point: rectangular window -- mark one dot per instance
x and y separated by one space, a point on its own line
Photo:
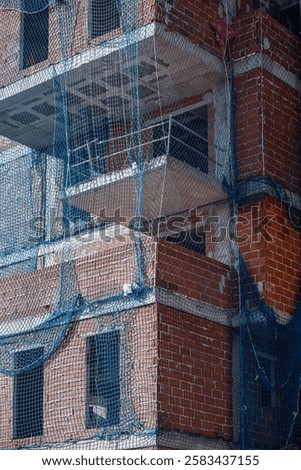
293 16
28 395
104 17
103 380
34 33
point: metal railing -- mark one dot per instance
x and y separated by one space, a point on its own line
170 138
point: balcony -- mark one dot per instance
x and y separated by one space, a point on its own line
160 170
167 64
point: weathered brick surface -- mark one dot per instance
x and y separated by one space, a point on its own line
98 275
252 240
65 380
270 245
105 272
268 129
281 108
283 259
194 275
257 31
191 19
194 384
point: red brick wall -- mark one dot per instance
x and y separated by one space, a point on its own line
281 108
268 109
194 275
283 259
191 19
244 6
194 384
268 129
272 252
249 124
10 21
248 34
189 389
188 17
257 31
252 239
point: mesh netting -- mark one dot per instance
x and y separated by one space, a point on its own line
135 311
271 364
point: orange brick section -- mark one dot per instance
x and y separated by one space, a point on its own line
283 259
249 124
268 129
282 128
257 31
194 383
104 273
188 17
99 275
11 45
194 275
191 19
252 240
273 255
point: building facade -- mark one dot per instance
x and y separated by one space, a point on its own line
150 237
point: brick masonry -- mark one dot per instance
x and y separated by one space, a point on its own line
65 380
257 31
268 129
194 383
179 377
194 275
270 245
180 374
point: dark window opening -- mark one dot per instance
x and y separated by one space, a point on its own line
103 380
293 19
188 139
192 240
34 34
104 17
28 395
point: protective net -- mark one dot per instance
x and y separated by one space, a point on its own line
149 244
271 365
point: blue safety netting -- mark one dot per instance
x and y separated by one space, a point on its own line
103 142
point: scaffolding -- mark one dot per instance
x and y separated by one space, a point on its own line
120 143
